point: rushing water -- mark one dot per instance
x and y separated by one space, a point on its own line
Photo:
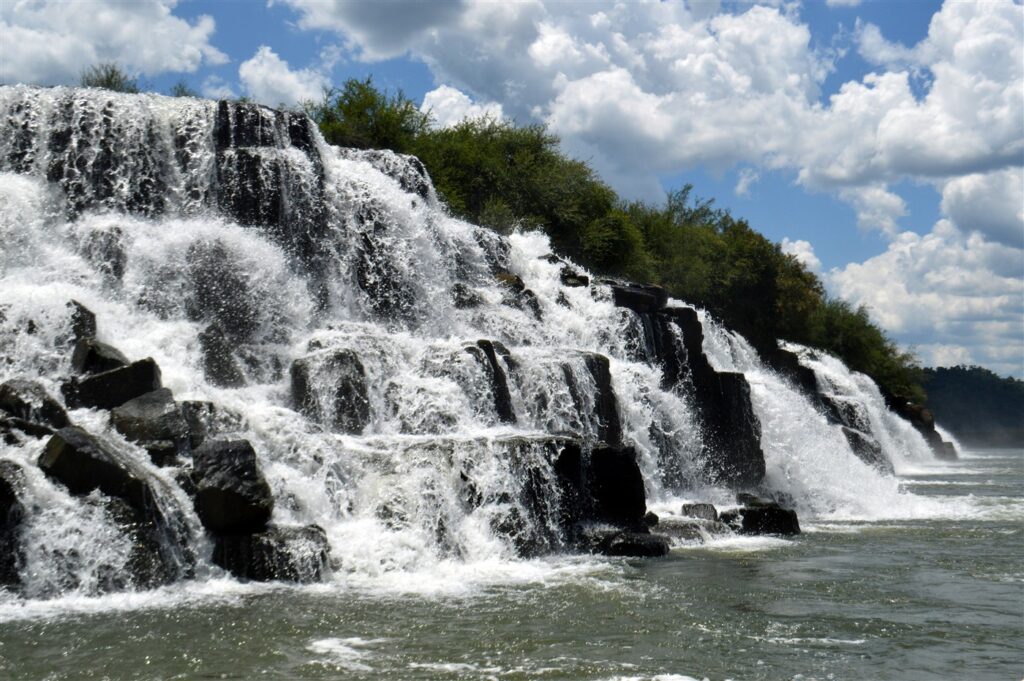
175 219
936 598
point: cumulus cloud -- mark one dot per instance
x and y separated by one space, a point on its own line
842 3
803 252
953 296
748 177
50 43
269 80
448 106
216 87
990 203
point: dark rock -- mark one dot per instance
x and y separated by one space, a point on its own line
12 429
219 363
616 487
948 452
463 297
651 519
517 295
572 277
156 422
12 510
29 402
221 293
146 567
232 496
923 421
868 450
788 364
330 388
703 511
634 544
846 412
103 248
637 297
201 418
93 357
763 518
498 380
82 463
115 387
83 321
289 554
513 282
605 403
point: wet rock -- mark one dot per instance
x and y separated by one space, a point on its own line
691 529
221 293
201 418
330 388
572 277
232 496
14 430
499 381
634 544
83 321
703 511
219 365
29 402
463 297
82 463
616 487
638 297
605 403
761 516
105 250
115 387
788 364
288 554
948 452
923 421
146 567
651 519
12 510
868 450
517 295
90 356
846 412
156 422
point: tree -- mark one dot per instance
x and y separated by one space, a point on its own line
182 89
109 76
359 115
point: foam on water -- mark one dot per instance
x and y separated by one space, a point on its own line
133 206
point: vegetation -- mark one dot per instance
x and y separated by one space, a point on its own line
182 89
976 405
502 175
109 76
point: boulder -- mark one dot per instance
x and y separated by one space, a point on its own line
463 297
703 511
868 450
146 566
616 487
232 496
90 356
634 544
330 388
29 402
638 297
219 363
288 554
12 511
691 529
82 463
13 430
83 321
605 403
156 422
115 387
517 295
762 517
484 351
201 418
572 277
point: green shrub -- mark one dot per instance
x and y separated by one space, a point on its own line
109 76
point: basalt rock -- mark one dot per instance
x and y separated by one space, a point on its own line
868 449
156 422
82 321
484 351
115 387
288 554
82 463
761 516
703 511
219 364
603 485
232 496
90 356
12 511
29 402
633 544
923 420
606 405
330 388
572 277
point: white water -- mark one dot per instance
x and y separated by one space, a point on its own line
391 500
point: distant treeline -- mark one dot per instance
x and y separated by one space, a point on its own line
976 405
506 176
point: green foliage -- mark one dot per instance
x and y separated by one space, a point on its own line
506 176
109 76
182 89
361 116
977 405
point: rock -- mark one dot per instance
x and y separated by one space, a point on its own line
330 388
606 405
13 429
868 450
201 418
572 277
463 297
219 363
90 356
634 544
12 510
82 463
788 364
923 421
484 351
232 496
115 387
517 295
221 293
83 321
156 422
29 402
764 517
948 452
146 566
651 519
289 554
616 487
103 248
638 297
691 529
703 511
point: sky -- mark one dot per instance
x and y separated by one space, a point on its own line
881 143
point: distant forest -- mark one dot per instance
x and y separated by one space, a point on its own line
976 405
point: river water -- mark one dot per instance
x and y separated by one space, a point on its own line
936 596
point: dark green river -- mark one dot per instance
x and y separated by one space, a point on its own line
938 597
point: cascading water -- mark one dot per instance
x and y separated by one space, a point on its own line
410 383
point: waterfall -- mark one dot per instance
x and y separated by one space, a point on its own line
419 388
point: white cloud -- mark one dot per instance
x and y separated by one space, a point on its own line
748 177
803 252
842 3
950 295
449 106
990 203
877 208
269 80
216 87
50 43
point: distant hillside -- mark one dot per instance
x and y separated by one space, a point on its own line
976 405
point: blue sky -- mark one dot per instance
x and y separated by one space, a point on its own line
882 143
